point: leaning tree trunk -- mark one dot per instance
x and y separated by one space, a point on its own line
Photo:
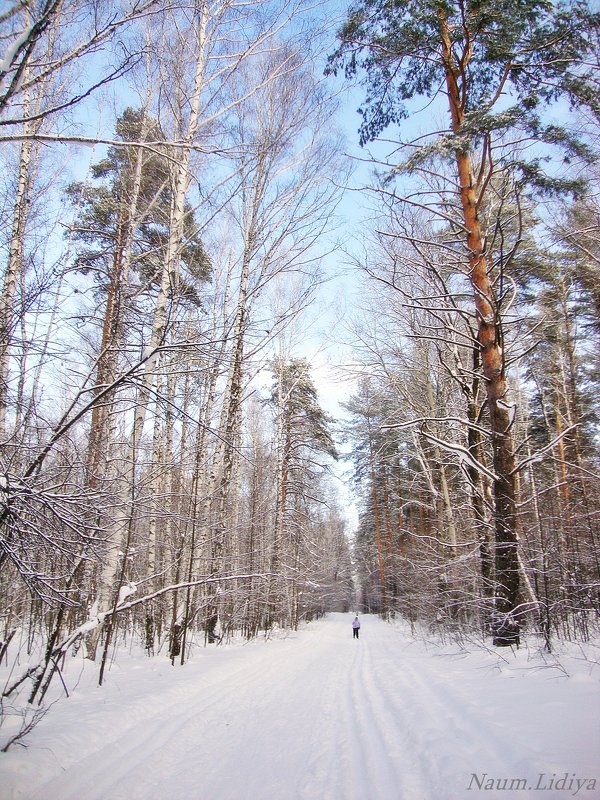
490 341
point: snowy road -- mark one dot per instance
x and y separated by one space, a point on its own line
320 716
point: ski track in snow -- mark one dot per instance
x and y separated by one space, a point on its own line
315 716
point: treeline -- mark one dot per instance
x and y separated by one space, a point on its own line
475 433
165 460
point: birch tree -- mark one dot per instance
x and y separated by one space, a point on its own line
283 202
82 28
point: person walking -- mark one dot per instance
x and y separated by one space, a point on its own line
355 627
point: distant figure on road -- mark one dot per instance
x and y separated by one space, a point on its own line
355 627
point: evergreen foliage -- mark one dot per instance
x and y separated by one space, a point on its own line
513 59
499 67
105 212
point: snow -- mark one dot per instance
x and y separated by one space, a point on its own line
7 60
317 715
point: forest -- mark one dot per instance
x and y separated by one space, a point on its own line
181 182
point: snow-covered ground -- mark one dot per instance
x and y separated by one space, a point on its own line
316 715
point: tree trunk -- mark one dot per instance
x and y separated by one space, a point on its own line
489 337
14 271
219 487
112 328
167 293
481 496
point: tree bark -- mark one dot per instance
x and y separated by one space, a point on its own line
490 340
14 270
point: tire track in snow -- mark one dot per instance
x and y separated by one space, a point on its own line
413 715
368 744
152 747
363 695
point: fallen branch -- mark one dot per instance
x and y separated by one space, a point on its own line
122 604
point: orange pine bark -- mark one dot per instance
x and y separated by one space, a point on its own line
489 335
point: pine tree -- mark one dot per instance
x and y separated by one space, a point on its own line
303 433
122 231
500 64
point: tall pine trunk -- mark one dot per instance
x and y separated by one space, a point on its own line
490 339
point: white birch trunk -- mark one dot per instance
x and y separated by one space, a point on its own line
14 271
168 287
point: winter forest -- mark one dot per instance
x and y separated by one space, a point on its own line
203 242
